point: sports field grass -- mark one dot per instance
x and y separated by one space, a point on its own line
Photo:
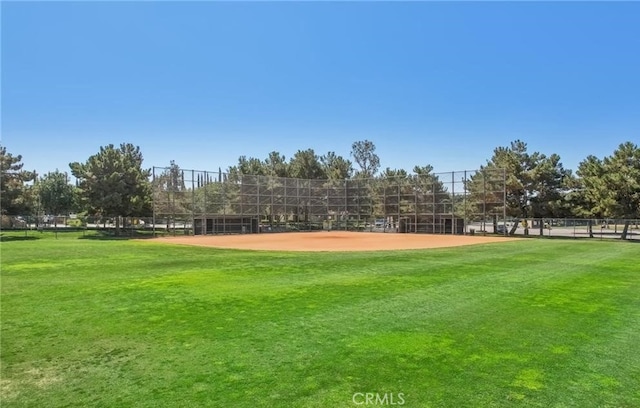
115 323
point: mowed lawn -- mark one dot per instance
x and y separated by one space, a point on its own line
117 323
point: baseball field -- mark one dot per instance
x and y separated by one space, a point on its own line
341 320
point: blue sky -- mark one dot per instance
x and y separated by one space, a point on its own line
201 83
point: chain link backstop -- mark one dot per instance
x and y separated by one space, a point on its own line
205 202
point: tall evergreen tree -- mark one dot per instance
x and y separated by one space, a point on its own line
305 164
114 182
15 195
364 154
276 165
534 183
56 195
609 188
336 167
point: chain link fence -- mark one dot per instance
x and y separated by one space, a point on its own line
127 226
571 228
219 203
148 226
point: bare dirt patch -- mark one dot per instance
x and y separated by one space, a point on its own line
331 241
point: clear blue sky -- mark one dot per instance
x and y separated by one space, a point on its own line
440 83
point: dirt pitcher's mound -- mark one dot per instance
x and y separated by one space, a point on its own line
331 241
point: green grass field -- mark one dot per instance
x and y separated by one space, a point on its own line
117 323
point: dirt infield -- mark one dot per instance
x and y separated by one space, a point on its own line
331 241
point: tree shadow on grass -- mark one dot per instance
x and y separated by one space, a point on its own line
596 237
13 238
111 236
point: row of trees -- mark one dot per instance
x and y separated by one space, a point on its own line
539 186
306 164
110 183
113 181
